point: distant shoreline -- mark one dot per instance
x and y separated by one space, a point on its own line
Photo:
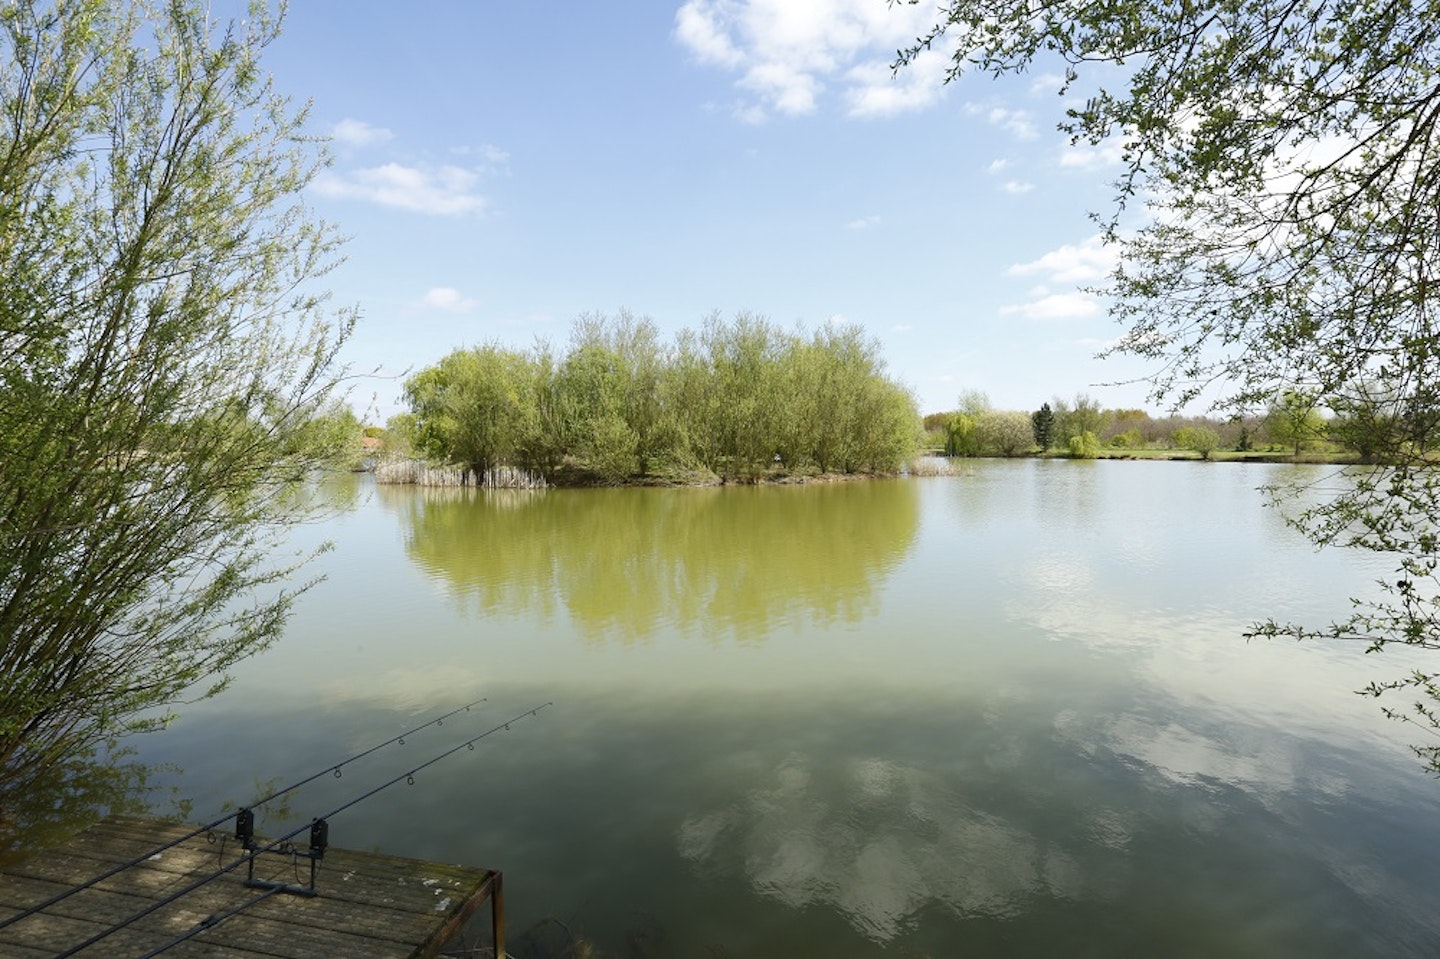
1309 457
929 463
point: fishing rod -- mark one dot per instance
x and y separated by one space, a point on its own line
317 827
210 922
333 769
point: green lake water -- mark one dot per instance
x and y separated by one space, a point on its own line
1004 713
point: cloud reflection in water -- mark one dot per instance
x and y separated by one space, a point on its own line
879 845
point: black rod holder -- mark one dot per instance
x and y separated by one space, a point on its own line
319 841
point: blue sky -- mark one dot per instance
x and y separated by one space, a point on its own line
502 168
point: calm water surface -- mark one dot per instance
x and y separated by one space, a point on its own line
1004 713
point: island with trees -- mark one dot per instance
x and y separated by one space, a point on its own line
739 400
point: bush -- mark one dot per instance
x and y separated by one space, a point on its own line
1201 439
1008 433
1084 446
1128 440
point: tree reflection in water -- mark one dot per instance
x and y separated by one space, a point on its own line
44 810
730 563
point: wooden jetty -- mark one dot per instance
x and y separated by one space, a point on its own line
367 906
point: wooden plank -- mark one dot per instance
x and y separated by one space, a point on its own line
369 906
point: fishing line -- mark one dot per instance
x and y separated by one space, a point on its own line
213 920
333 769
407 776
210 922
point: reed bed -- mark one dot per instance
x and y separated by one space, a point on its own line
510 477
419 473
938 466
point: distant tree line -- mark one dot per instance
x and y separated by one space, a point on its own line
1377 430
737 399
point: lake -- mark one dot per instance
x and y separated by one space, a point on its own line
1008 712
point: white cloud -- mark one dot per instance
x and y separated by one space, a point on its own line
1046 83
358 133
875 91
753 114
700 27
447 299
1014 187
863 223
788 53
439 191
1085 157
1018 123
1057 306
492 155
1084 262
1070 265
790 89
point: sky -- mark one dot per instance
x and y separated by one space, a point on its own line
502 168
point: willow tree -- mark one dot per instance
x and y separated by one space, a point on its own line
163 362
743 409
609 388
595 391
478 407
852 416
1288 152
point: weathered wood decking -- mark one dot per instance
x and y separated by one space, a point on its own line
369 906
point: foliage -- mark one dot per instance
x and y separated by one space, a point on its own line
333 427
1083 415
962 432
1042 426
592 388
1198 438
1086 415
1384 426
1130 439
934 422
1130 421
401 431
608 390
961 436
974 402
1285 152
740 419
1006 432
737 399
1293 421
167 372
1084 446
473 408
